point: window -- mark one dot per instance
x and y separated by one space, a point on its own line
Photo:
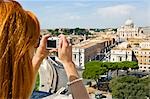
120 58
144 67
148 67
42 85
113 59
135 34
74 56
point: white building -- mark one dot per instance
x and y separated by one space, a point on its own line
140 53
83 53
145 44
78 57
121 53
146 30
128 30
94 49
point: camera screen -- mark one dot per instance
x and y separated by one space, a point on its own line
51 43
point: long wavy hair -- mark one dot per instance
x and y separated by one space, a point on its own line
19 32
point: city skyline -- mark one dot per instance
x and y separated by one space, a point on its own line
88 13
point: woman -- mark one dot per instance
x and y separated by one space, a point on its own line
19 32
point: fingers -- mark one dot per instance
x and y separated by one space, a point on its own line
63 41
44 41
53 50
60 43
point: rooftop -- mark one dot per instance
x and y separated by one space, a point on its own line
90 42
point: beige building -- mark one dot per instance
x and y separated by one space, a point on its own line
136 46
142 55
137 51
93 49
75 39
44 31
129 30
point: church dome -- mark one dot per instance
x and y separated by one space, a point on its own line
129 22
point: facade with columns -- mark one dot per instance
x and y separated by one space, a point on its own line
121 53
129 30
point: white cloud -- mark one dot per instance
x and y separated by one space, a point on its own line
71 16
81 4
74 17
117 10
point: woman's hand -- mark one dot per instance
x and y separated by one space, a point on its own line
64 50
65 55
41 52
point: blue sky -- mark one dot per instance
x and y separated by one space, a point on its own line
88 13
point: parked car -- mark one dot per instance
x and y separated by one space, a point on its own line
100 96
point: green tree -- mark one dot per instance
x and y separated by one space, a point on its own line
125 65
133 65
80 31
115 29
37 83
93 70
108 66
129 87
117 66
129 64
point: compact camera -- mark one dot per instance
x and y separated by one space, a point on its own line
52 42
